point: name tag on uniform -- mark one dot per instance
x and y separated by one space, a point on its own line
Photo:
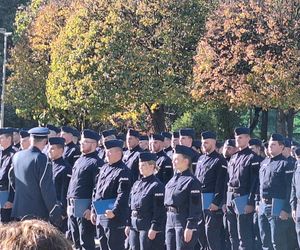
207 199
80 205
3 198
277 205
102 205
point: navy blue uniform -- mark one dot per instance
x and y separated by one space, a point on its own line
81 186
165 167
147 212
33 180
243 170
114 182
71 154
6 161
211 171
295 197
169 151
183 203
101 153
275 177
131 159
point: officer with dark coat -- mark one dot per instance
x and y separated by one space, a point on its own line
243 170
182 202
16 139
163 163
144 143
81 186
148 215
174 143
131 156
186 137
32 179
275 177
211 172
24 139
7 153
114 182
167 142
72 151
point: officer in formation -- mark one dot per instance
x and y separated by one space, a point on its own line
144 142
106 135
191 202
146 227
167 143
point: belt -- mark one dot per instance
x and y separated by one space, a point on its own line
172 209
267 201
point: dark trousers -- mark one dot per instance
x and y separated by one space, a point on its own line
272 229
5 215
175 227
240 229
257 240
138 240
112 238
82 232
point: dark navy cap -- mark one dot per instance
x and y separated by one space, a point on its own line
146 156
175 134
208 135
91 134
187 132
144 138
242 131
109 132
277 137
24 133
229 143
157 137
57 141
219 144
6 131
76 132
196 143
67 129
255 142
113 144
15 130
184 150
297 151
287 143
53 128
132 132
39 131
121 136
166 135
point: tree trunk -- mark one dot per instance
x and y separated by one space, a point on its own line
290 122
255 119
158 118
281 125
264 125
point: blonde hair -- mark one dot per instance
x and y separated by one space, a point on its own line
32 235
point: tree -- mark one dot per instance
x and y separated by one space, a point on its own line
249 56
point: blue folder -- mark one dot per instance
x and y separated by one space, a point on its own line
240 203
80 205
3 198
207 199
102 205
277 205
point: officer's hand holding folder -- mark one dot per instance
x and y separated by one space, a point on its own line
240 203
80 206
102 205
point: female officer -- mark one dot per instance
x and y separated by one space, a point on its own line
147 208
183 202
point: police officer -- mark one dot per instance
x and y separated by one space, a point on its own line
295 195
147 209
72 151
35 194
53 130
6 143
144 142
16 139
243 170
174 142
186 137
167 142
81 187
24 139
196 145
163 162
107 135
113 183
131 156
183 202
275 177
76 136
211 172
229 149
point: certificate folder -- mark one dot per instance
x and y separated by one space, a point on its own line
80 205
102 205
240 203
3 198
277 205
207 199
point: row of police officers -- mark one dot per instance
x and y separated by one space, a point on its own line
163 194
